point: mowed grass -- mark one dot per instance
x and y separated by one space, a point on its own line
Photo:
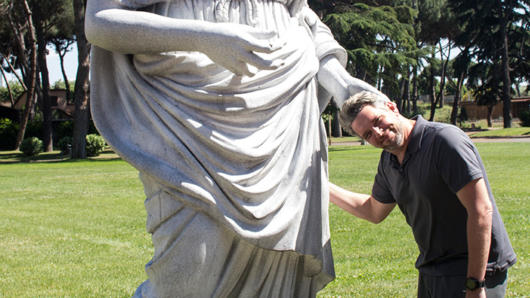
71 229
77 228
503 132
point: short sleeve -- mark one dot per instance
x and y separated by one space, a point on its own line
381 188
457 159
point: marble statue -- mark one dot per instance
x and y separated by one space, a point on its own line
217 103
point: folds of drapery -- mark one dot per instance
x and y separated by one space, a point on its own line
250 152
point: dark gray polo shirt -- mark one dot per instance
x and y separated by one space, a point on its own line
439 161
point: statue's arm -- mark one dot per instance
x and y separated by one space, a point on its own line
332 75
108 25
339 83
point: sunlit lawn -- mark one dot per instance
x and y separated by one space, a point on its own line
504 132
77 228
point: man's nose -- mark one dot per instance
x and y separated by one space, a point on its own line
377 130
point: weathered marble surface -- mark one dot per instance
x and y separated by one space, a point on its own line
217 104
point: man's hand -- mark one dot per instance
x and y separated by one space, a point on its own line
478 293
361 205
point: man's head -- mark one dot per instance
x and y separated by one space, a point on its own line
374 119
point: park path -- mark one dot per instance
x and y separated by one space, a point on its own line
502 140
522 139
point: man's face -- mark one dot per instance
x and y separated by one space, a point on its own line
380 127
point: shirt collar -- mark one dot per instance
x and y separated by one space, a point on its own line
416 135
414 143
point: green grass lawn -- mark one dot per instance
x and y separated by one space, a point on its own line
77 228
503 132
74 228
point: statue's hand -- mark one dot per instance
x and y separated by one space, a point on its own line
238 47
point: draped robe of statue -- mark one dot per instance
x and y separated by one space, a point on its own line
234 167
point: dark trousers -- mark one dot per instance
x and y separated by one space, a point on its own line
454 286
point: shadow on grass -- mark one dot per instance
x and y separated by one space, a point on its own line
11 157
339 147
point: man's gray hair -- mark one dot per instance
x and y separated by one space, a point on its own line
353 106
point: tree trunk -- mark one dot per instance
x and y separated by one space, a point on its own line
45 89
63 71
32 75
11 99
490 112
458 95
328 131
506 98
336 130
379 79
14 72
399 98
81 88
431 89
406 94
440 97
415 90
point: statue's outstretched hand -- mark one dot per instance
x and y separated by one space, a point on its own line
238 48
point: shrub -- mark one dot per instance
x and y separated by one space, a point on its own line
8 134
525 118
34 128
63 129
65 144
94 144
31 146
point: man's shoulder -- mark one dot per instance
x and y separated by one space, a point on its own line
443 132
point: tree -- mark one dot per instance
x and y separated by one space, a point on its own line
81 90
491 30
460 67
436 29
379 41
19 19
11 92
4 77
486 81
47 15
62 40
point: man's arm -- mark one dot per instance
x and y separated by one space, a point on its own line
361 205
474 196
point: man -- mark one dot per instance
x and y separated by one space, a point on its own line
434 173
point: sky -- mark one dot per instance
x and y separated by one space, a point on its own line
54 66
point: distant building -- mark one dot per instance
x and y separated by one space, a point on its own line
476 112
448 99
63 109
